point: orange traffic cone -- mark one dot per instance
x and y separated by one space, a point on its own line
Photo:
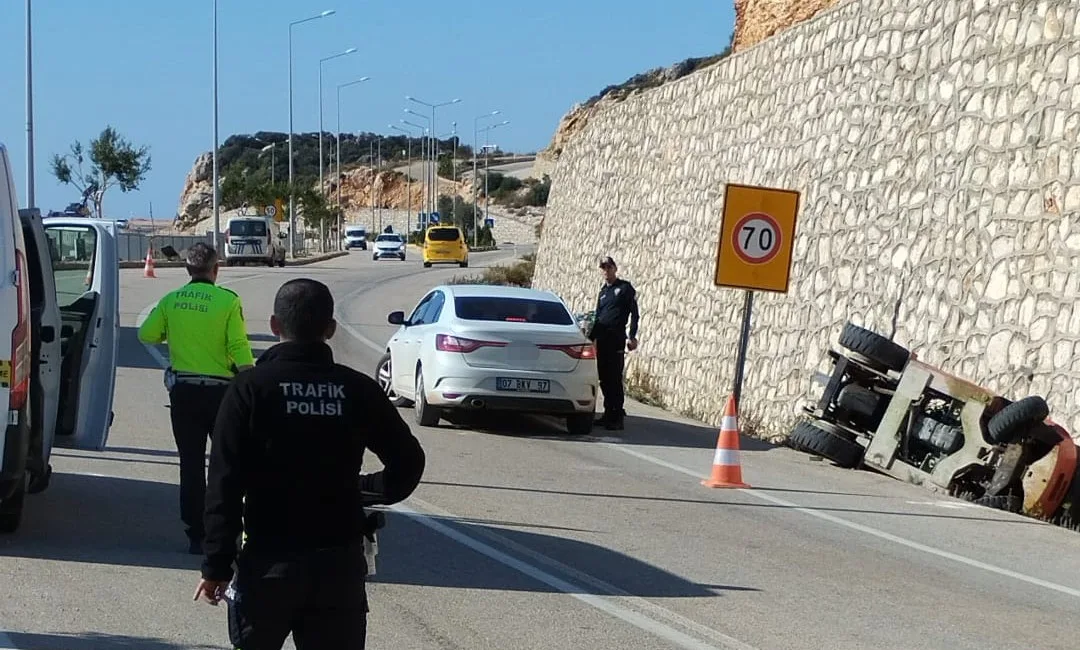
727 470
148 268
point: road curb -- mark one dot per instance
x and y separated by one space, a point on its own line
303 261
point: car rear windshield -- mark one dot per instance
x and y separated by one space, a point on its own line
522 310
444 234
248 229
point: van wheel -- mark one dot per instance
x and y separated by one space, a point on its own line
11 509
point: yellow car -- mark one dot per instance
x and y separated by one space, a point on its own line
445 245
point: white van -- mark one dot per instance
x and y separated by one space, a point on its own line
59 327
355 237
254 239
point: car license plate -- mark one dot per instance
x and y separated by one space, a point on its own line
523 385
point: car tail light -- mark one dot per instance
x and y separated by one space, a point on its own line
583 351
448 343
20 337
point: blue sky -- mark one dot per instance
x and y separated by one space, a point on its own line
144 66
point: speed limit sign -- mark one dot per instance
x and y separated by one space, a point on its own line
756 238
271 210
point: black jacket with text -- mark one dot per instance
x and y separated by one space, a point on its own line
286 455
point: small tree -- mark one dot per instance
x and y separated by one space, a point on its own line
113 162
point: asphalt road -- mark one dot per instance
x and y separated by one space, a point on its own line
520 538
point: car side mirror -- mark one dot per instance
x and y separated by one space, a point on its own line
396 318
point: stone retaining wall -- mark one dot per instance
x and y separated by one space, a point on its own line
935 146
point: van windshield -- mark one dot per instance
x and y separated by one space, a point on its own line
247 229
354 232
444 234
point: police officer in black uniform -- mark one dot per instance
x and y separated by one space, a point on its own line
616 304
285 471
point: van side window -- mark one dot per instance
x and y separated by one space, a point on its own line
75 251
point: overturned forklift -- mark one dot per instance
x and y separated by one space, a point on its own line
884 409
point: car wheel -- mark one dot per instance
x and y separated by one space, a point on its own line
814 438
426 414
384 374
427 265
465 264
580 424
11 509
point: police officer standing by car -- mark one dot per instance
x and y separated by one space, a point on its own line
616 304
285 472
203 325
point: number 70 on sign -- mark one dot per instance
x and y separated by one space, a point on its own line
756 238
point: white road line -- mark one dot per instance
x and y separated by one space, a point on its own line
896 539
601 603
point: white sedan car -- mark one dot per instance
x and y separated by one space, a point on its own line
481 347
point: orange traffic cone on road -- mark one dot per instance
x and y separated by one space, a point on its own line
727 469
148 268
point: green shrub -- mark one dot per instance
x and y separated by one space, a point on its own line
519 274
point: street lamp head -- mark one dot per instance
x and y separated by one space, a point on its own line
364 78
350 50
456 101
328 12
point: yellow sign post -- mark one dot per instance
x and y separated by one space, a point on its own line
757 237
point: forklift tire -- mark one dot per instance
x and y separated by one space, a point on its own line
1011 422
813 439
874 347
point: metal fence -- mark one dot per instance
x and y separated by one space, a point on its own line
132 246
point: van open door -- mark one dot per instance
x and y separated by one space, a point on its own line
86 272
45 348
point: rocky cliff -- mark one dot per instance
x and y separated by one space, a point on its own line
757 20
935 146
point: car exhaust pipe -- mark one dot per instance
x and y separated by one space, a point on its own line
476 403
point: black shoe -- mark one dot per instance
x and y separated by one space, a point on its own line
195 547
614 425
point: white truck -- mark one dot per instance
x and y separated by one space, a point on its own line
59 327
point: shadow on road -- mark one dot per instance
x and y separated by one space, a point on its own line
96 641
410 553
731 504
132 353
104 520
639 430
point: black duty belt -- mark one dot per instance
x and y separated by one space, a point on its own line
201 380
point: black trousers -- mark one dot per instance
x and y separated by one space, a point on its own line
320 597
610 363
193 411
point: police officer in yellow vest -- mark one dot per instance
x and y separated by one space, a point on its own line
203 325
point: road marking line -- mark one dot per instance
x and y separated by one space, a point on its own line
145 313
602 603
1008 573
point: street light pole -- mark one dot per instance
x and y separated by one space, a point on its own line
31 200
292 193
476 122
217 193
322 158
337 142
408 142
435 170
